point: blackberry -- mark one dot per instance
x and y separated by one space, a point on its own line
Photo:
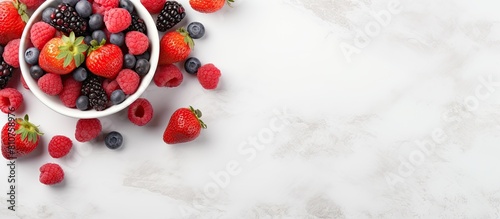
137 24
66 19
171 14
5 73
92 88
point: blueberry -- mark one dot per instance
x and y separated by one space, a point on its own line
47 13
142 67
196 30
99 35
129 61
127 5
83 8
95 22
36 72
87 40
31 55
117 97
117 38
82 103
70 2
80 74
192 65
113 140
146 55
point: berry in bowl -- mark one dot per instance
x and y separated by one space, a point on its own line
89 60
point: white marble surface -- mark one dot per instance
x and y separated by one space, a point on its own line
402 123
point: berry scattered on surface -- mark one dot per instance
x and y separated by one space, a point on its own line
13 18
113 140
70 92
117 20
129 61
208 76
41 33
184 125
87 129
153 6
6 71
10 100
137 42
171 14
50 84
168 76
83 8
31 55
175 46
142 67
36 72
80 74
191 65
196 30
51 173
117 97
137 24
208 6
11 53
128 81
96 22
92 88
140 112
47 12
82 103
66 19
20 141
59 146
117 38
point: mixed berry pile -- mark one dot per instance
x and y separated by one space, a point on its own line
93 54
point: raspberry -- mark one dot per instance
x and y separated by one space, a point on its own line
41 33
70 92
98 9
87 129
208 76
128 81
10 100
140 112
59 146
50 84
137 42
110 86
51 173
153 6
168 76
108 3
24 83
32 4
11 53
117 19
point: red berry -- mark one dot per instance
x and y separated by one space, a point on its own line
99 9
140 112
108 3
168 76
50 84
87 129
10 100
128 81
32 4
117 19
59 146
137 42
51 173
110 86
153 6
11 53
208 76
41 33
70 92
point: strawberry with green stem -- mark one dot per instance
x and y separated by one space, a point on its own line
19 137
13 19
185 125
175 46
62 55
104 60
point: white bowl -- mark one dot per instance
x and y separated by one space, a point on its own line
54 102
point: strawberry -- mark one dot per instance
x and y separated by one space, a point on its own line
62 55
208 6
19 137
105 60
13 19
184 125
175 46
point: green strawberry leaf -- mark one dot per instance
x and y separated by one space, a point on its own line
68 60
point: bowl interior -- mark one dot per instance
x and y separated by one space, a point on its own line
54 102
